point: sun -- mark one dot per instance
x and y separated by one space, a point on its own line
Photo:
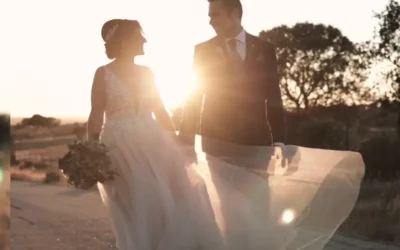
172 69
174 84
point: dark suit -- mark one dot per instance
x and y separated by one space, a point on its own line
234 108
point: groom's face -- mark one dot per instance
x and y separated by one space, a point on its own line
220 19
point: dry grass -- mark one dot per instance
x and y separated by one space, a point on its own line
27 175
376 215
27 133
40 143
38 162
38 151
48 176
44 154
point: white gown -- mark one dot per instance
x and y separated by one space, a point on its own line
165 199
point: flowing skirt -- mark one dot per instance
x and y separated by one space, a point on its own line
231 197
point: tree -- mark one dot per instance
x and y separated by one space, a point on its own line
318 65
80 131
5 133
385 48
40 121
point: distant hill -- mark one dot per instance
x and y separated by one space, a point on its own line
64 120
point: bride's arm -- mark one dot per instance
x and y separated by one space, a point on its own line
96 117
161 113
159 109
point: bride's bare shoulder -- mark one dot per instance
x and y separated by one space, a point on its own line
100 76
145 69
101 69
105 66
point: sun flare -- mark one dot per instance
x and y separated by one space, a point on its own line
288 216
172 68
174 85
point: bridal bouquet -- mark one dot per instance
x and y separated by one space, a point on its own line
86 163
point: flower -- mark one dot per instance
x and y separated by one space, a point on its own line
86 163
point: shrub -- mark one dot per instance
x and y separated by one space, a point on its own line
80 131
40 166
320 132
52 177
26 165
381 155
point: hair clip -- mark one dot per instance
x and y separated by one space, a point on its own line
111 32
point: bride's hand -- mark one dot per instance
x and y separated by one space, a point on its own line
282 153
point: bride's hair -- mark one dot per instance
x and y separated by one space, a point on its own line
114 31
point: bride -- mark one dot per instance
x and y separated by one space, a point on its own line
164 197
153 204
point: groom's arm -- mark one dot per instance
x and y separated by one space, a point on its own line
275 110
191 111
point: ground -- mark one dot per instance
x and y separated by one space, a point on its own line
48 217
58 217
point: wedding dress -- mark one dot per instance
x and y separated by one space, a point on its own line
167 198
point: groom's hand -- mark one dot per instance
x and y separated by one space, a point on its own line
283 152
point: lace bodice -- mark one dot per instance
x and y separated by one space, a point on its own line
122 103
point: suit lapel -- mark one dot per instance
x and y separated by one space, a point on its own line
219 48
251 49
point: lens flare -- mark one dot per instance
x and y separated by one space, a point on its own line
2 157
288 216
1 174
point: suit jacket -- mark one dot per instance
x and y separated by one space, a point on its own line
242 107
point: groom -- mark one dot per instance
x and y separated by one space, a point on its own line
238 79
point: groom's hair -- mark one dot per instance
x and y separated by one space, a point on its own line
231 5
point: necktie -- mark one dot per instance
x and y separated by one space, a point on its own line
236 62
232 45
233 53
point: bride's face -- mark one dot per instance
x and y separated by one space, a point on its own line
134 44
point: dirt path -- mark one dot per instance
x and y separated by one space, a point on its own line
61 218
57 218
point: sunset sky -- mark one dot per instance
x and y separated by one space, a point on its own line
51 49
